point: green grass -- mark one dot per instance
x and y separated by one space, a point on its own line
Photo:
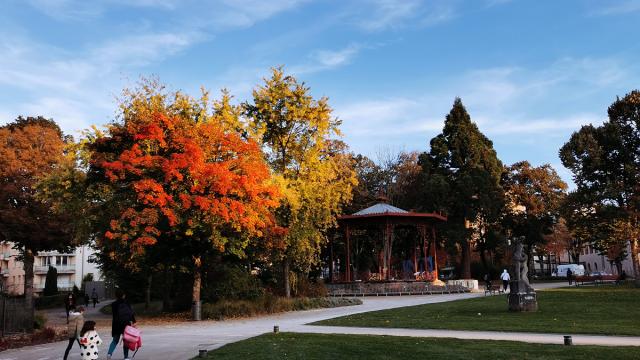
609 310
332 347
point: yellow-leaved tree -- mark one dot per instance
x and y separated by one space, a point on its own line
298 134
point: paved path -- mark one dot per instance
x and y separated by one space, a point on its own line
182 341
475 335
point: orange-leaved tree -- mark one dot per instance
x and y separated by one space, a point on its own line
187 180
30 148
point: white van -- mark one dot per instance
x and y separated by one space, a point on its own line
576 269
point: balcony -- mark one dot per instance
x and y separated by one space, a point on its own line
4 272
62 269
5 256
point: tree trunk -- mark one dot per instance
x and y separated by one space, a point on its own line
285 277
166 291
28 276
483 259
466 259
634 258
147 292
197 280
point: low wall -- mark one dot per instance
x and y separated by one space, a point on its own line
470 284
391 288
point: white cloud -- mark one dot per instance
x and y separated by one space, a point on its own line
507 103
143 49
616 8
320 60
377 15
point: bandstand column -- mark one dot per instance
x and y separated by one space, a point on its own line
347 272
435 253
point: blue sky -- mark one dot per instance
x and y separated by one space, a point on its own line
529 72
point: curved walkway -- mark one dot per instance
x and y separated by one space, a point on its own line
182 341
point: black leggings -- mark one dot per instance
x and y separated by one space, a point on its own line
71 341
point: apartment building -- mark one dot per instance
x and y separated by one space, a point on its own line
72 267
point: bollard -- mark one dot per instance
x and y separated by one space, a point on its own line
568 340
276 329
202 353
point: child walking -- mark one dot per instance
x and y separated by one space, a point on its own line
89 341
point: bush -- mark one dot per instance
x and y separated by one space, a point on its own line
307 288
39 321
231 282
43 336
49 302
269 304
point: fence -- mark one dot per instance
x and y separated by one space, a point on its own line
15 316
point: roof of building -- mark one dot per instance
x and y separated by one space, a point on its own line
380 208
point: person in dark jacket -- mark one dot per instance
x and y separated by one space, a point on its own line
122 316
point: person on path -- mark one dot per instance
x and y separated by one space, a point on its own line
122 316
89 341
569 275
487 281
94 297
70 304
76 321
86 300
505 279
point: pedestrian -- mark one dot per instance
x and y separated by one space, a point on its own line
122 316
86 300
487 281
569 275
76 322
70 304
89 341
505 279
94 297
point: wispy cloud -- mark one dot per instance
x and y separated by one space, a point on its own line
77 86
504 102
393 14
320 60
615 8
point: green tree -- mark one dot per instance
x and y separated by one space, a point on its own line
605 161
461 177
314 172
51 282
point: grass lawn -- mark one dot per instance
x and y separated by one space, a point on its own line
606 309
332 347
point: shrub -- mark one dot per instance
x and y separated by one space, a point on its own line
269 304
231 282
48 302
39 321
43 336
307 288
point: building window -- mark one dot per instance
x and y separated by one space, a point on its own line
595 266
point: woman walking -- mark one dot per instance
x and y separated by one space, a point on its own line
122 316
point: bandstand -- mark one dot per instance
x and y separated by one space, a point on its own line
386 218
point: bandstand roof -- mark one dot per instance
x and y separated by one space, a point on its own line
385 210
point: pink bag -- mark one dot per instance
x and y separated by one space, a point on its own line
132 338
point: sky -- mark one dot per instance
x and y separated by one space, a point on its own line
529 72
